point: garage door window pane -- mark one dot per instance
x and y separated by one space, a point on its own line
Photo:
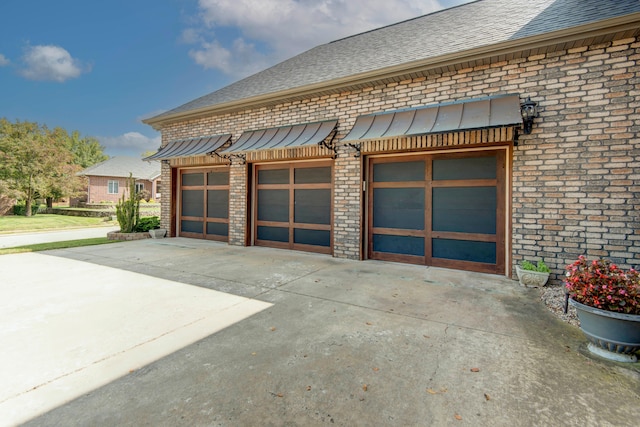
405 245
218 178
273 205
218 203
218 228
312 237
464 250
192 203
275 234
312 175
398 208
273 176
464 168
398 172
191 226
465 209
312 206
189 179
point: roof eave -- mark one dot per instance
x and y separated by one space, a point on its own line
608 26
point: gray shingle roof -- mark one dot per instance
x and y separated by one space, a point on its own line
121 166
466 27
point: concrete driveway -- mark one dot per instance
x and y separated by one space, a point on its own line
315 340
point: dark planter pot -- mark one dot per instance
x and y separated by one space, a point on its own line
614 336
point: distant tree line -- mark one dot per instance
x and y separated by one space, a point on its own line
41 163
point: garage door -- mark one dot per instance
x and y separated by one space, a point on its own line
440 210
293 208
204 203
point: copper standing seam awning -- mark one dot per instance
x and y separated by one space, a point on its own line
190 147
284 137
457 116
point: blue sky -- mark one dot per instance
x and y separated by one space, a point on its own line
100 67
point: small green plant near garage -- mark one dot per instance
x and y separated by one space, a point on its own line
148 223
128 208
533 275
540 267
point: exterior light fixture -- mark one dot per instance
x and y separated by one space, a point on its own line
529 111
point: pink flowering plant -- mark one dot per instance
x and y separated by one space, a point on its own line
601 284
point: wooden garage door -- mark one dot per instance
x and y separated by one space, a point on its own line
204 203
444 210
293 206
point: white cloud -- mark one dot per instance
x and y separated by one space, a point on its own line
129 144
273 30
4 60
51 63
241 57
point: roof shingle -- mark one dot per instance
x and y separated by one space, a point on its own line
121 166
450 31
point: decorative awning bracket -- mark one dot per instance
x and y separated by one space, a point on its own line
357 147
224 157
329 143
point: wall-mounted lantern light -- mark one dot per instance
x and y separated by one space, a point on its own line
529 111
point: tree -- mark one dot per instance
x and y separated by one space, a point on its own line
86 151
38 162
24 152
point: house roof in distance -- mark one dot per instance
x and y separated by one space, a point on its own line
472 30
121 166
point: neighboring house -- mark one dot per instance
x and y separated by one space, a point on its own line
407 144
107 181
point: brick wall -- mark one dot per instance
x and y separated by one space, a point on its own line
574 179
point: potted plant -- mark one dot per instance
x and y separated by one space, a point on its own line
151 224
533 275
607 301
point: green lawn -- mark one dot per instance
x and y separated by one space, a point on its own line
39 222
56 245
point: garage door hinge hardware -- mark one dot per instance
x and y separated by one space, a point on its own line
329 143
356 147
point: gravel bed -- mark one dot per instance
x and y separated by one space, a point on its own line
553 297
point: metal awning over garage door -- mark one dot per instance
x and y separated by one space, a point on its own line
284 137
190 147
483 113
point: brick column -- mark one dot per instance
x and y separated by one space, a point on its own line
165 199
347 202
237 204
